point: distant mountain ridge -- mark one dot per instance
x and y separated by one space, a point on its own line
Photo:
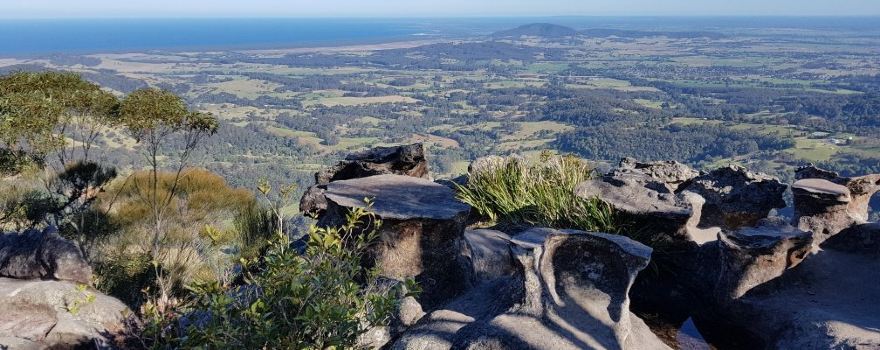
544 30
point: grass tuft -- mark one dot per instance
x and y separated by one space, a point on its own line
540 192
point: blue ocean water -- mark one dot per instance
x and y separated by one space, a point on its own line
44 36
79 36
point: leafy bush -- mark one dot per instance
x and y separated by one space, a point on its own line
518 191
322 299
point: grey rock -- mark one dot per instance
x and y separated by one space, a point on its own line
58 314
672 173
489 253
575 289
753 256
408 160
666 216
736 197
42 254
421 234
826 203
570 292
826 302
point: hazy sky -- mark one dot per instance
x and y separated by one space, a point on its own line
437 8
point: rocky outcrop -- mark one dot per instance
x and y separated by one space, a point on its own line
826 302
570 292
751 257
58 315
489 254
826 203
421 233
408 160
38 254
671 173
736 197
665 216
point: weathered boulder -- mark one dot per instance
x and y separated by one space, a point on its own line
575 295
671 173
406 160
421 233
58 315
571 292
736 197
750 257
829 301
826 203
489 253
38 254
666 216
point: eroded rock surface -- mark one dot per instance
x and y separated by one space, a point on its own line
666 216
736 197
57 315
38 254
671 173
571 292
408 160
826 203
421 233
829 301
754 256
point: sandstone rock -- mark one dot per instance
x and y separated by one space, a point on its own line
489 253
736 197
421 234
826 203
672 173
575 295
42 254
666 216
754 256
58 315
826 302
406 160
570 292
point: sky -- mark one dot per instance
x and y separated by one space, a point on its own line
436 8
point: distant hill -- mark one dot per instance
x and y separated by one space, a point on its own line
544 30
634 34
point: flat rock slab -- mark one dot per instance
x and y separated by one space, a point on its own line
822 186
398 197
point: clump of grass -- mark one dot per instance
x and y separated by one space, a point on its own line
537 192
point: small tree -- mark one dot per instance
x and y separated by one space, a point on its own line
157 119
41 114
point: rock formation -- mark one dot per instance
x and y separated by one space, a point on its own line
37 312
58 315
665 216
750 257
42 254
570 292
829 301
406 160
421 233
736 197
826 203
745 279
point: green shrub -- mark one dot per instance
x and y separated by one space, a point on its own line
538 192
323 299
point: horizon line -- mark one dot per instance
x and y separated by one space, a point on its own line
450 16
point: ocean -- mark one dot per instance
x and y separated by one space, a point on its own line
36 37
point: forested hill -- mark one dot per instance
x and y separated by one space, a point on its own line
544 30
